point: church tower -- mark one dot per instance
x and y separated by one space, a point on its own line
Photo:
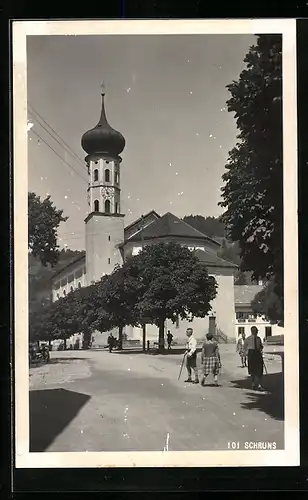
105 222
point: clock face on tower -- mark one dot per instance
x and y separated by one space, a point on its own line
106 193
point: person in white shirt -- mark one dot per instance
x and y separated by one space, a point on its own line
191 356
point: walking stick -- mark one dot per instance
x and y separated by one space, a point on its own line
182 365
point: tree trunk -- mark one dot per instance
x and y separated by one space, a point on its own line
161 335
144 333
120 344
86 339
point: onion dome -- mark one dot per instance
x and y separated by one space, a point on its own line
103 139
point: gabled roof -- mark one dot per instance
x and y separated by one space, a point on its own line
244 294
212 260
143 217
170 225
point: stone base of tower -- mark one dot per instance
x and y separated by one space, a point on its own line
104 234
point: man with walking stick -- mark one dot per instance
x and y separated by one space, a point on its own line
254 348
191 357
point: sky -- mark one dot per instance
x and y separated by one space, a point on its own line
165 93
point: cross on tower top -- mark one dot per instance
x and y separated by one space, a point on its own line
103 87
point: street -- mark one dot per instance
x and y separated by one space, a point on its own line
131 401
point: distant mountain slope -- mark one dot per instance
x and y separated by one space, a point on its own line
230 251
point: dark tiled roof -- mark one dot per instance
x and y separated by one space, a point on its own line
211 259
244 294
169 225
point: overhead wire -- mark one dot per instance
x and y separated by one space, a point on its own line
67 147
61 157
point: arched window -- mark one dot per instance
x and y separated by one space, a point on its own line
96 206
116 177
79 284
95 175
64 293
58 296
116 208
107 206
71 289
107 175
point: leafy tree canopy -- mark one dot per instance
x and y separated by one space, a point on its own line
118 294
268 303
43 222
171 282
252 193
210 226
74 313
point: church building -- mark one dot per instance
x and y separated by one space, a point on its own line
109 242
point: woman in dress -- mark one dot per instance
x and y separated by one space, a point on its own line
210 359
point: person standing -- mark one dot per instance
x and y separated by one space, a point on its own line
191 356
169 339
110 342
210 358
254 348
240 348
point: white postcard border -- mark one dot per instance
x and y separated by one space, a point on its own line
290 455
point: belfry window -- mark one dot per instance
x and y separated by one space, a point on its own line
96 206
107 175
116 177
107 206
116 208
95 175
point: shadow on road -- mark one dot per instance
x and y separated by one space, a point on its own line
51 411
271 401
53 361
154 352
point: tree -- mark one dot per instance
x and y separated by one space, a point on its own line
43 222
171 283
210 226
230 252
253 190
118 294
82 307
75 313
52 321
241 278
268 303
